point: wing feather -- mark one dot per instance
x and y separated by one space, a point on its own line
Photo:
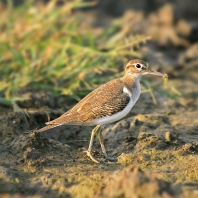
104 101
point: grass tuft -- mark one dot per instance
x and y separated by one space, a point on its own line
49 47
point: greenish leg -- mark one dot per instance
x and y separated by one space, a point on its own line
102 143
103 147
91 144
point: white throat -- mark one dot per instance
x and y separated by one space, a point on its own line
134 92
134 75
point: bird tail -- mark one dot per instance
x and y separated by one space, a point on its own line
46 128
50 126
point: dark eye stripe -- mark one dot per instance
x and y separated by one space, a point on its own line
144 68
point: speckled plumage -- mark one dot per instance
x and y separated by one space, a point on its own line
104 101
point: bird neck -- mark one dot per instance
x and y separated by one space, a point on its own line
131 81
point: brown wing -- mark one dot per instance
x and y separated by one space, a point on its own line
103 101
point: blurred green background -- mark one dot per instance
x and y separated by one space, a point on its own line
70 47
47 46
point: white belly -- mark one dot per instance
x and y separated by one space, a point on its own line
109 119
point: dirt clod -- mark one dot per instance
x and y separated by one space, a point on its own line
132 182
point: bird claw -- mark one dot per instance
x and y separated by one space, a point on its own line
111 159
91 157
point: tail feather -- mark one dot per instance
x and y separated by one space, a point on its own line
50 126
46 128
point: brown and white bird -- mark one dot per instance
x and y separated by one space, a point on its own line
108 103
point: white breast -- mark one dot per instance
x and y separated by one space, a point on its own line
133 99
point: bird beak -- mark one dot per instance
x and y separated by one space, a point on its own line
148 71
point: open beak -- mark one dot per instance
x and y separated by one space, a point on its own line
148 71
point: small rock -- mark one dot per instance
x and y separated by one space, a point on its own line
168 136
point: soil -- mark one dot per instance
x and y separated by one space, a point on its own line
156 145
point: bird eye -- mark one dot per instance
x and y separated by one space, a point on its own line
138 66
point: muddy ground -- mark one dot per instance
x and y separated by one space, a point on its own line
156 145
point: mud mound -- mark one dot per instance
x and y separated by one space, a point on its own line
132 182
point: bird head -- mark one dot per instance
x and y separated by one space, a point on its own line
138 67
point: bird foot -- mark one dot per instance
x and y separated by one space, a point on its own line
107 158
91 157
111 159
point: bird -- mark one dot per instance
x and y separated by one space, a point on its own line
106 104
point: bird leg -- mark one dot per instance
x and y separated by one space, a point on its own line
103 147
102 144
91 143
